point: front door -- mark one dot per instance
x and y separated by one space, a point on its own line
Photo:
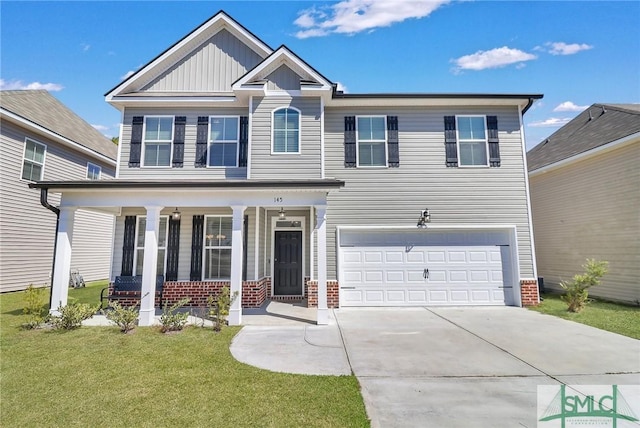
287 263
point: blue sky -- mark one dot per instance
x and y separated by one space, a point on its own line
574 52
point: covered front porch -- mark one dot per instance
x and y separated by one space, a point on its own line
263 239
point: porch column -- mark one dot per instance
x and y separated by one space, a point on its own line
235 312
150 267
321 232
60 280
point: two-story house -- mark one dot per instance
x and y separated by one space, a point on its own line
42 139
242 165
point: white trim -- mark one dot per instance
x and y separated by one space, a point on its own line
24 153
312 230
273 130
322 156
204 246
256 248
210 142
99 171
120 136
385 142
282 92
136 248
528 195
275 229
144 141
486 141
621 142
249 139
58 138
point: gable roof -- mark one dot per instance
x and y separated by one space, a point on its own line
596 126
41 110
183 46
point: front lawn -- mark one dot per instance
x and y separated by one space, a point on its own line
97 376
614 317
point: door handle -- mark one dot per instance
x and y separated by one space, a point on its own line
425 274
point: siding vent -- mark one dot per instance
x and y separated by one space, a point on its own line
201 141
128 246
350 141
450 142
136 141
196 248
392 141
178 141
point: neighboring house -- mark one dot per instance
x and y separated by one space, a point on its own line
585 198
42 140
285 188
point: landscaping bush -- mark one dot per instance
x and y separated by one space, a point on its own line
34 307
124 317
219 307
171 319
72 315
577 290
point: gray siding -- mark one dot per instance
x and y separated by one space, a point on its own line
283 79
590 209
27 229
188 171
455 196
211 67
305 165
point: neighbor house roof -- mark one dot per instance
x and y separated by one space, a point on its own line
598 125
42 110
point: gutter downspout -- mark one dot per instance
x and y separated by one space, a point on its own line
529 104
44 195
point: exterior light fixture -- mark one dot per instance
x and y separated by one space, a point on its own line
176 215
425 217
282 214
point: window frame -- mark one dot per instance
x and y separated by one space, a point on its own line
24 159
144 142
385 142
210 142
460 140
205 247
273 130
136 248
91 164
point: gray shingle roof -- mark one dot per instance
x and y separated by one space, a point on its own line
45 110
598 125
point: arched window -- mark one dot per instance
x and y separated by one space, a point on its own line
286 130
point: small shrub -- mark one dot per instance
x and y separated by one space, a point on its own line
577 290
72 315
171 319
34 307
124 317
219 307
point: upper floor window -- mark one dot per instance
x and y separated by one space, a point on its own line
93 171
472 140
286 130
162 244
33 160
158 134
223 140
371 140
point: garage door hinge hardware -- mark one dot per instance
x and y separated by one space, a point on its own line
348 288
425 274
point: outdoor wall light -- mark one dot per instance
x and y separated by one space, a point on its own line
176 215
282 214
425 217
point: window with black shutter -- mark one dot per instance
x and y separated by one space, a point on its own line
173 249
492 138
450 141
243 150
392 142
128 246
202 141
135 147
196 248
178 141
350 141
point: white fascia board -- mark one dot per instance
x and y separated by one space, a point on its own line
401 100
430 226
55 137
170 101
629 139
214 25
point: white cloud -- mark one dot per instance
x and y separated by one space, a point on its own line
354 16
127 74
85 46
19 84
494 58
569 106
552 122
341 87
561 48
100 128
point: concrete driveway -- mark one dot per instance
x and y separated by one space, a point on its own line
445 367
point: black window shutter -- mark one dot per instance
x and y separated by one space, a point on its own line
128 245
350 141
196 248
173 249
451 150
178 140
244 141
494 147
392 141
202 141
136 141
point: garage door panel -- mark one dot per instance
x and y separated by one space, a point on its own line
352 257
374 296
415 276
458 276
396 296
374 276
415 257
352 277
394 257
479 276
437 276
395 276
373 256
435 256
417 296
457 257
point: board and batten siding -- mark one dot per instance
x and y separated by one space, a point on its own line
211 67
590 209
455 196
188 170
290 166
27 229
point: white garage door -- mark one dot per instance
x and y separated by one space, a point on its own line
422 275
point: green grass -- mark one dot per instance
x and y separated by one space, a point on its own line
614 317
97 376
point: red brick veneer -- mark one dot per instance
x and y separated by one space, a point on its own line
333 294
529 292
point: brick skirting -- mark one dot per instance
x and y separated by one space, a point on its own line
529 292
333 294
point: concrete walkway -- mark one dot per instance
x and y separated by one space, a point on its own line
445 367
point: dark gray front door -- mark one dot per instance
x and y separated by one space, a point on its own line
287 263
